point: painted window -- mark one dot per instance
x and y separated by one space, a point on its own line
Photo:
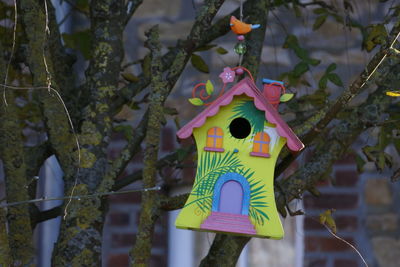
215 138
261 145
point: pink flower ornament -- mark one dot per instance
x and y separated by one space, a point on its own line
227 76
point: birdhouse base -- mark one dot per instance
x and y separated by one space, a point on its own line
228 222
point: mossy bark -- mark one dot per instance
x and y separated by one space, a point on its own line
140 254
18 219
5 256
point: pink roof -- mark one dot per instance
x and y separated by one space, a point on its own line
247 87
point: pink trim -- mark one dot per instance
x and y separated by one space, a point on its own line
228 223
247 87
258 154
214 149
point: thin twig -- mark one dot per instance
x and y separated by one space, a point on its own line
79 197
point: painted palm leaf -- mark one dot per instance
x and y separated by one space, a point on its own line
214 165
257 202
211 167
247 110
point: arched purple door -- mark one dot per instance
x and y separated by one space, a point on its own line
231 197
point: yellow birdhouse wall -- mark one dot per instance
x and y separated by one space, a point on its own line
229 156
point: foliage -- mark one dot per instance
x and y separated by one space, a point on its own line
247 110
214 165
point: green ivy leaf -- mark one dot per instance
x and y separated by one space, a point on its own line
319 22
331 67
130 77
222 51
313 61
80 40
205 47
323 82
126 130
286 97
360 163
320 11
334 78
300 68
196 101
376 35
198 62
209 87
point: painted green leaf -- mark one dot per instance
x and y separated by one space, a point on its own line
198 62
256 117
222 51
286 97
331 67
319 22
334 78
196 101
209 87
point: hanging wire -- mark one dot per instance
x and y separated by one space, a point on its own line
241 19
80 197
48 87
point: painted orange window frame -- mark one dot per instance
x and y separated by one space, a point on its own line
261 143
215 137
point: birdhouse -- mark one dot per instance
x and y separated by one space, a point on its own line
238 139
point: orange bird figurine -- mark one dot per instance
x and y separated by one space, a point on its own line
240 27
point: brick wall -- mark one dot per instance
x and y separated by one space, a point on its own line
366 217
120 229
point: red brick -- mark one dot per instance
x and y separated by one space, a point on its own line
346 178
327 244
138 158
123 240
335 201
167 140
160 240
345 263
349 159
133 197
158 261
346 223
119 218
323 183
118 260
315 263
343 223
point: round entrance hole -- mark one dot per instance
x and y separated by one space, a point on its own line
240 128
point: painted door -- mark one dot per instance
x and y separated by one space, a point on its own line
231 197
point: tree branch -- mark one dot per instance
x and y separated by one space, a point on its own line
175 67
343 135
5 255
140 254
11 151
220 28
172 159
354 89
130 9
